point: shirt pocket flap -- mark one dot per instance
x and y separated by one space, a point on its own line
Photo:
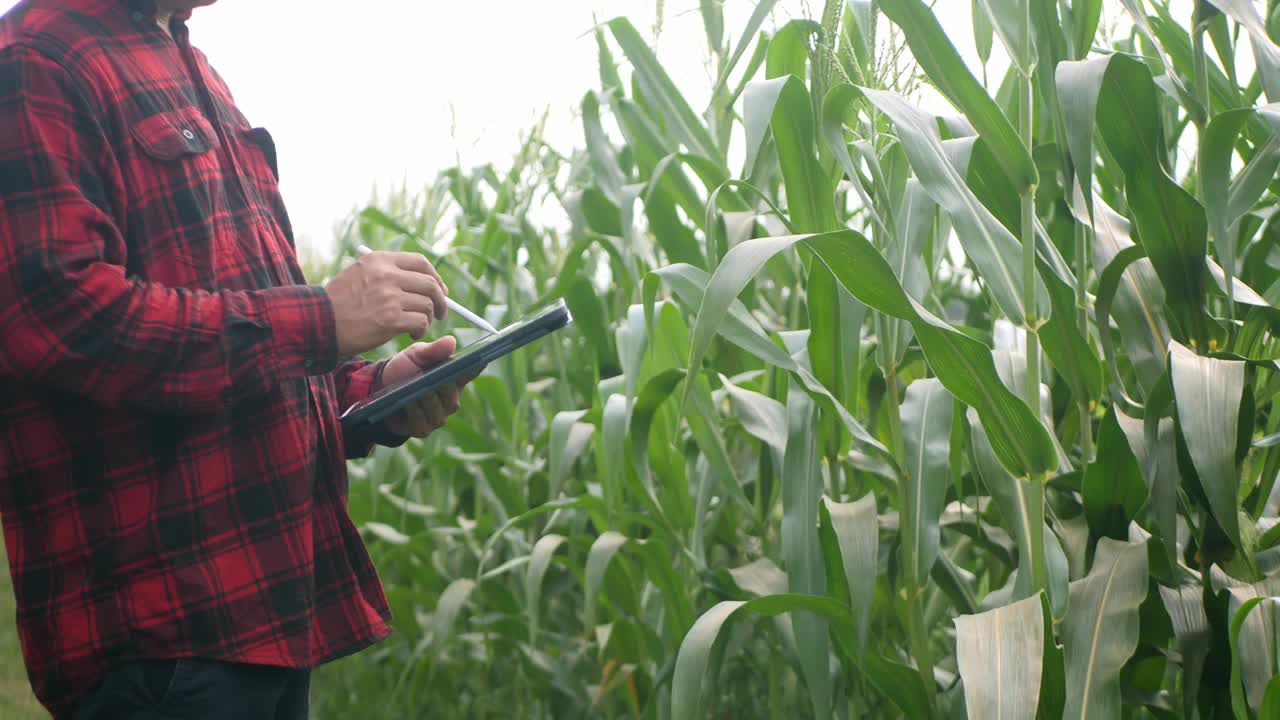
172 134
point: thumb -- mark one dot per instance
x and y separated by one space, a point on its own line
427 354
418 357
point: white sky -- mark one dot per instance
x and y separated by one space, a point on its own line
361 92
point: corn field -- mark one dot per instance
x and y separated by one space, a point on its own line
866 411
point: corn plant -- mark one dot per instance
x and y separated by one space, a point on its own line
866 411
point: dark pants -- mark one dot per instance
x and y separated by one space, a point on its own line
190 689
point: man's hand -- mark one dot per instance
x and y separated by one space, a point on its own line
428 414
382 295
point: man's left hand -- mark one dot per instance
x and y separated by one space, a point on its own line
428 414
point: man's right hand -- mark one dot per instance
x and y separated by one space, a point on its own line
382 295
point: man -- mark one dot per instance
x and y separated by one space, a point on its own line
172 479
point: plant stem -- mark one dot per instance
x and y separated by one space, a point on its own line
1031 391
913 592
1032 387
1083 251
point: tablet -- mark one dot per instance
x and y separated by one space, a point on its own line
466 360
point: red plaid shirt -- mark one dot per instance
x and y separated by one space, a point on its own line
172 477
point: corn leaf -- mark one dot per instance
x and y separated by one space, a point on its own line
962 364
944 66
993 249
926 426
1000 654
657 84
806 575
1101 631
1208 394
850 537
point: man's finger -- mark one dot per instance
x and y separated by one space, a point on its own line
399 423
449 398
418 263
414 323
411 302
433 410
429 354
426 286
419 424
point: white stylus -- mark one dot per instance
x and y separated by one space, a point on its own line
466 314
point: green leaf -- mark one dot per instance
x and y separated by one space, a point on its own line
657 85
1217 148
1170 223
737 326
539 561
1021 506
850 533
1068 350
1239 703
1185 606
1271 700
983 33
906 254
713 21
1208 394
1138 297
949 73
569 439
674 498
610 451
1012 22
1000 654
1085 15
598 558
589 317
1265 52
789 49
604 162
667 191
703 648
761 416
1101 631
806 574
591 504
671 343
1254 655
1157 457
758 16
957 583
1079 84
447 610
734 272
1142 24
926 427
991 247
809 193
1113 488
962 364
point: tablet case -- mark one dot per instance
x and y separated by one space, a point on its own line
472 358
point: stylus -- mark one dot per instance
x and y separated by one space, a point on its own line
466 314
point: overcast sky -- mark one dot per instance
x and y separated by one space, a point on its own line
361 92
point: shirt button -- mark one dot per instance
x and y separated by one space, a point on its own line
188 134
137 16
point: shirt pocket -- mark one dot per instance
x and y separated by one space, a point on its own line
176 197
174 134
